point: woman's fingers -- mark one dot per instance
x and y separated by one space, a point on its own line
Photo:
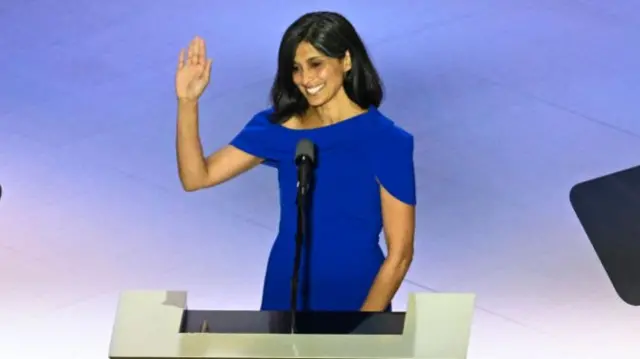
196 53
207 70
181 59
202 49
192 53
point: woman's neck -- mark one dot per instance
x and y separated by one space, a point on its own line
336 110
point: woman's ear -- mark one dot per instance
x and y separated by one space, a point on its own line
346 62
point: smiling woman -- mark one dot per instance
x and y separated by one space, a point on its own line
326 59
326 90
314 72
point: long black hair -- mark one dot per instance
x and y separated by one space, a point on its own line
333 35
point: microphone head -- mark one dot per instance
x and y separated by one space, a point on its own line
305 148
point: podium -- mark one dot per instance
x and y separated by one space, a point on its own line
157 324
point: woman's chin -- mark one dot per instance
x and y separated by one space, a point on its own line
317 101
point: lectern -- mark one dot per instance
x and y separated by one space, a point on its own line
157 324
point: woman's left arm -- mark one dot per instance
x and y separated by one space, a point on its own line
399 228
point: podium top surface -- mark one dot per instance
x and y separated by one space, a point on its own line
157 324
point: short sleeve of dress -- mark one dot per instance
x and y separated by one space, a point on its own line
393 163
257 138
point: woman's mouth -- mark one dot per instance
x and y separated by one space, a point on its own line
314 90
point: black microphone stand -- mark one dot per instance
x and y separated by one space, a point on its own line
302 202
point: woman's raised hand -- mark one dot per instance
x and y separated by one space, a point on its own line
194 70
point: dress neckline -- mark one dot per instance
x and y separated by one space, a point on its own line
337 134
334 126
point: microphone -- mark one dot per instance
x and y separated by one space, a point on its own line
305 161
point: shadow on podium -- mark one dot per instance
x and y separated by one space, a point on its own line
274 322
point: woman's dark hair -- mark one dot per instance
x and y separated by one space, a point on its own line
333 35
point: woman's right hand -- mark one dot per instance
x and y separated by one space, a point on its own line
194 70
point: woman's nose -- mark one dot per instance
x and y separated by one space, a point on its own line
307 78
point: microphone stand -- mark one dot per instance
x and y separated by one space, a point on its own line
301 234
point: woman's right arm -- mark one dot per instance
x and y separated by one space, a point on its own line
197 171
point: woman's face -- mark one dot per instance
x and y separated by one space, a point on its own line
318 76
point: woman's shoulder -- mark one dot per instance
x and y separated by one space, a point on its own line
383 129
261 122
260 137
262 119
390 151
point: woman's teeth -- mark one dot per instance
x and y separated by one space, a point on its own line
314 90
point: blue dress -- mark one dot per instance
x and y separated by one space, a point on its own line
343 256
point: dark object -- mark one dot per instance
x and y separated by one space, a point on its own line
305 160
264 322
608 208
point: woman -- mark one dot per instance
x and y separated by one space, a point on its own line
326 90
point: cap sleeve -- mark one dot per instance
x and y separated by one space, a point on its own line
393 163
257 138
